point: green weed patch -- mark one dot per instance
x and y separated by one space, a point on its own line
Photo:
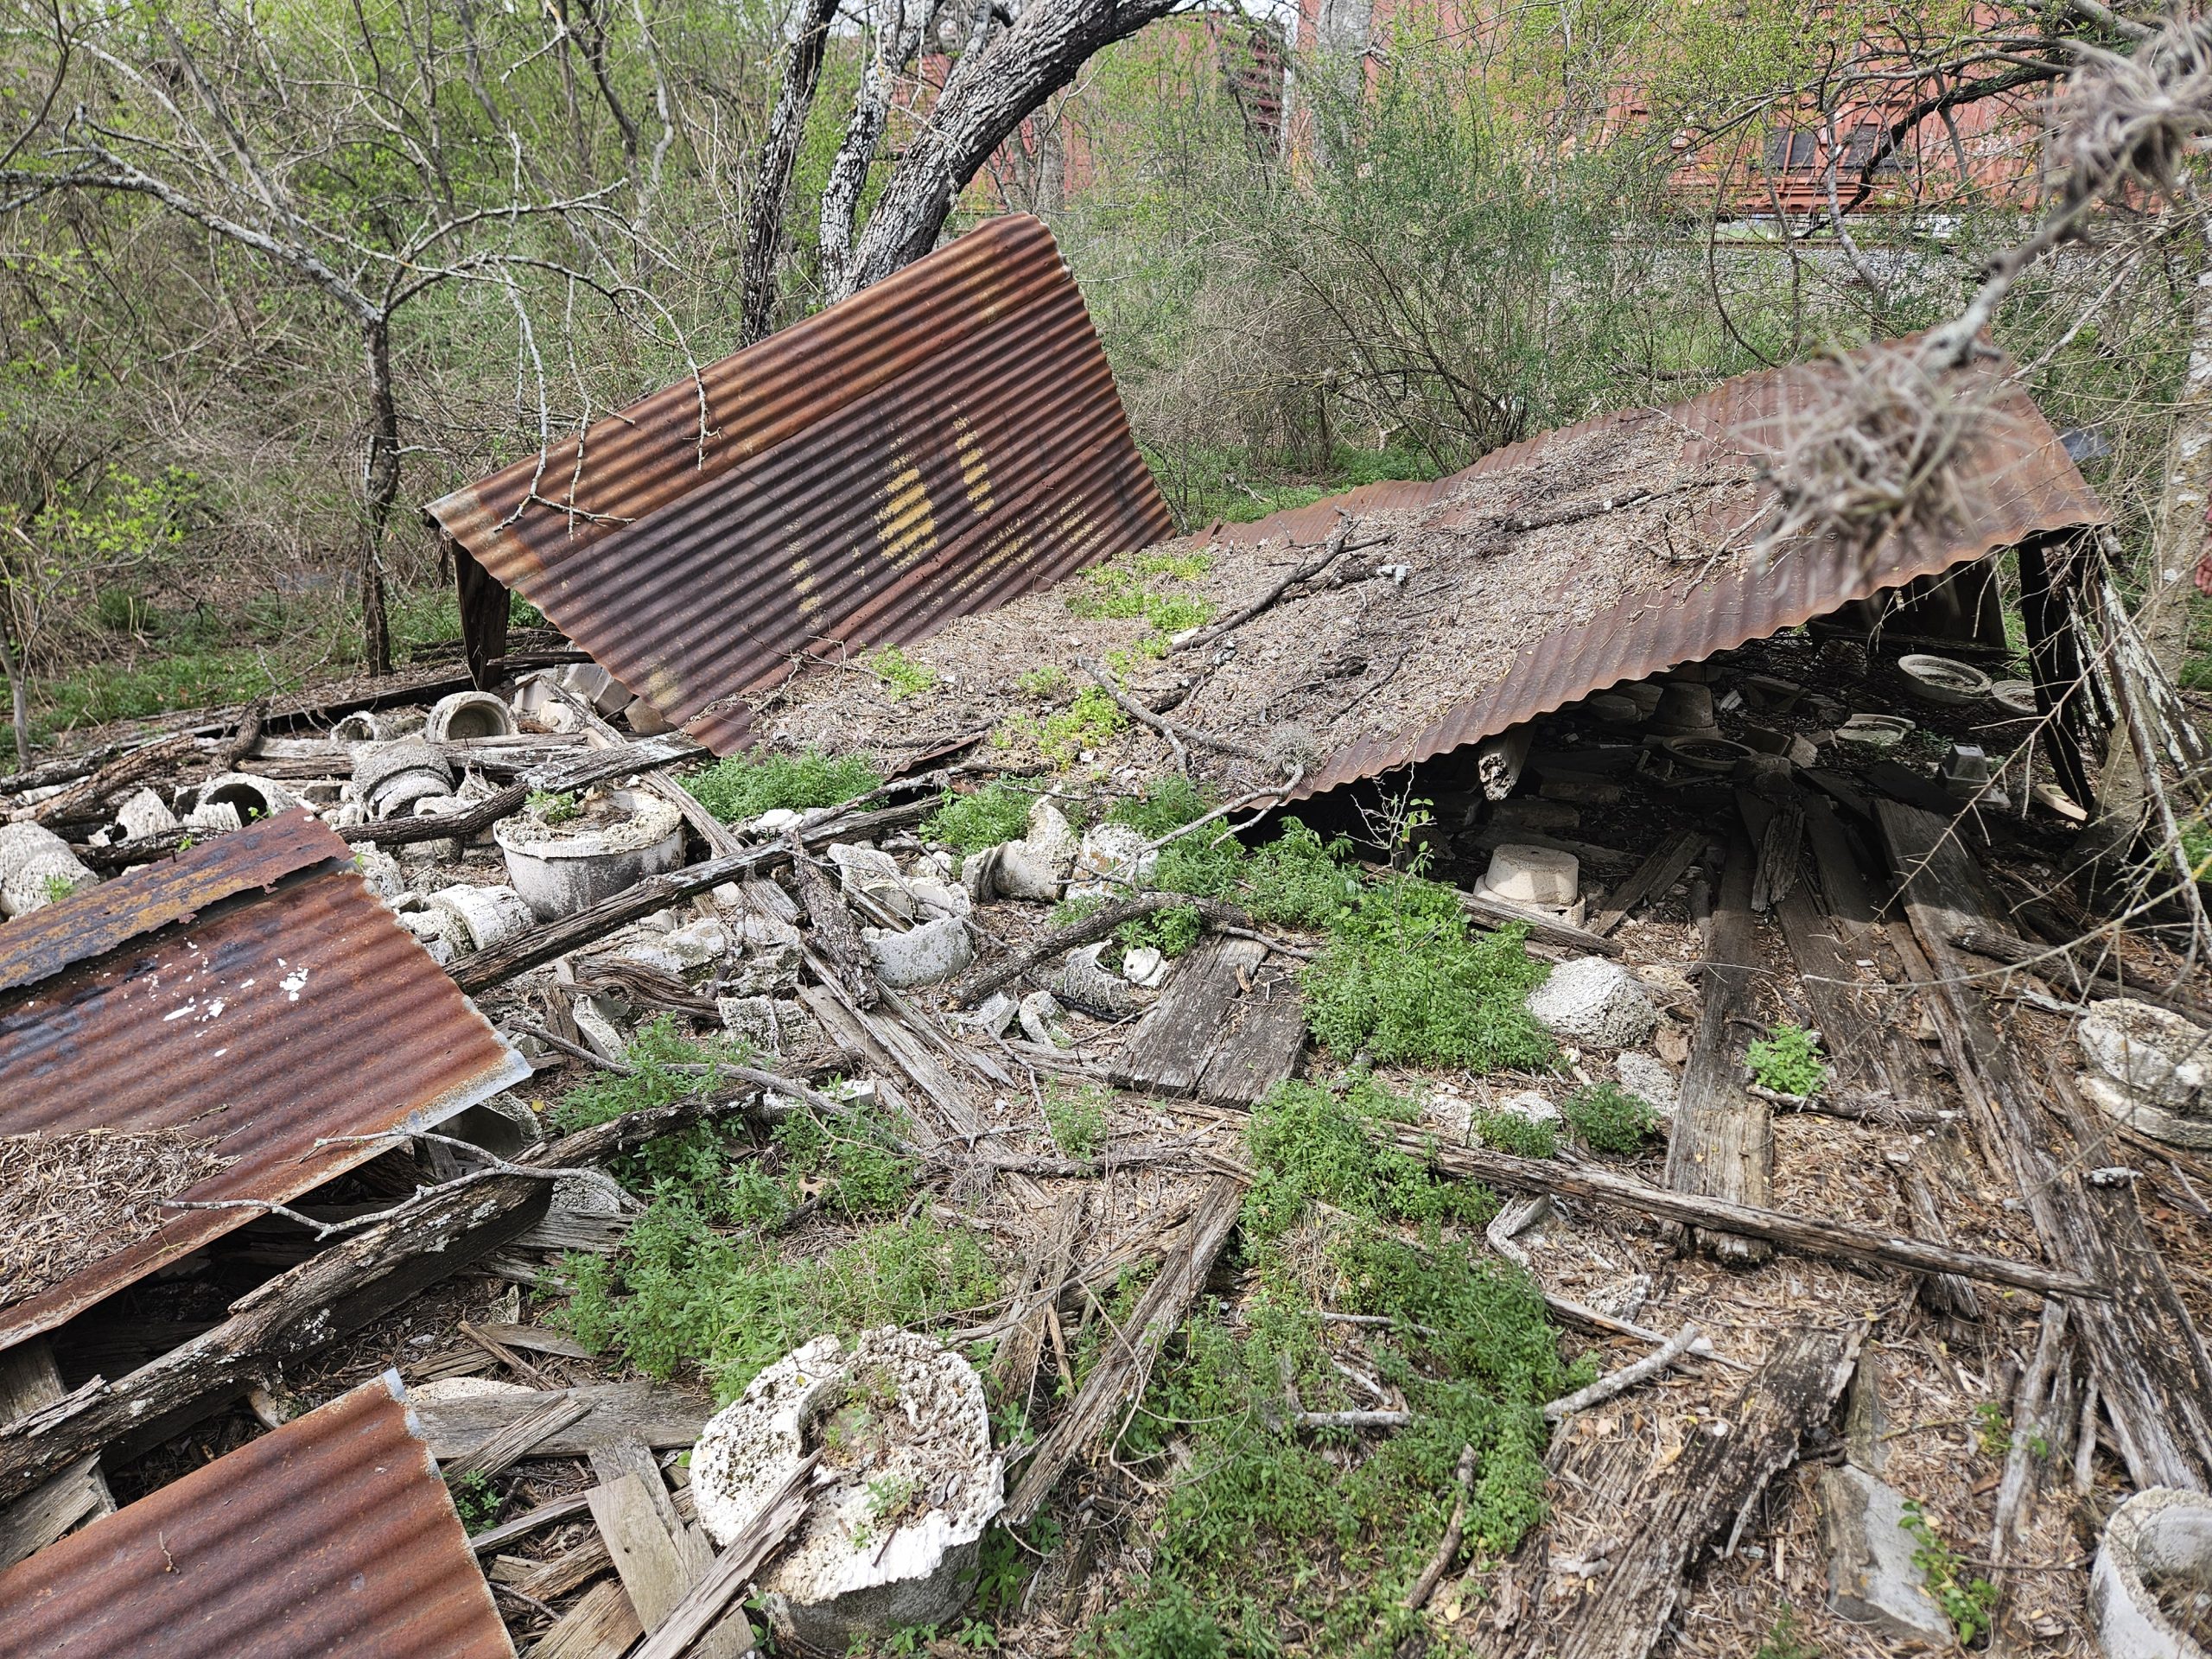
744 786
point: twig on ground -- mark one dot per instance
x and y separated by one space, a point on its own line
1440 1563
1622 1380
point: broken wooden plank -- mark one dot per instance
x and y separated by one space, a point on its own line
2148 1358
1259 1046
522 1435
1652 878
29 1379
1647 1539
1118 1380
607 1412
1013 1368
603 1625
658 1559
1722 1145
1549 930
702 1606
1228 1029
545 1515
1947 1293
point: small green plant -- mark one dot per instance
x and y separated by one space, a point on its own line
1517 1133
1787 1638
1403 981
984 817
977 1635
1787 1061
1089 722
1967 1602
476 1499
744 786
1607 1118
1047 682
549 807
1078 1117
58 888
1993 1428
901 675
1166 1624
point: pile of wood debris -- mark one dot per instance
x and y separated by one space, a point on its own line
1942 1279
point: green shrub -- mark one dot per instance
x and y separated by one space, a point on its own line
1091 722
1969 1603
1402 980
1166 804
901 675
1164 1624
744 786
1298 881
693 1164
1517 1133
1078 1117
1607 1118
1787 1061
868 1173
984 817
1312 1143
681 1293
552 808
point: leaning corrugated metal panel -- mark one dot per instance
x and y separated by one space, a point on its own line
333 1534
933 447
2017 483
251 992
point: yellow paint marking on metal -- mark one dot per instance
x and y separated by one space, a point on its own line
975 469
803 581
905 522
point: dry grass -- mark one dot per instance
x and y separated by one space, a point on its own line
68 1200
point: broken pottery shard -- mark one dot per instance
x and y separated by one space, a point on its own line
921 956
1041 1021
1528 875
36 867
1591 1000
1142 965
934 898
2148 1051
907 1483
1872 1579
1020 872
143 815
997 1013
1050 838
1084 984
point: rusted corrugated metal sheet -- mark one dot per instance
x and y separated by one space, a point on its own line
333 1534
2017 480
252 990
935 446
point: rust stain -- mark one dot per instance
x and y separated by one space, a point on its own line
253 990
333 1534
912 454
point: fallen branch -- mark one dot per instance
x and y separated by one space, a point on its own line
1440 1563
1812 1235
1339 542
1176 733
1097 925
1622 1381
1354 1419
86 800
2059 962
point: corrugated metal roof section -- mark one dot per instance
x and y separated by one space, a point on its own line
333 1534
253 990
2017 480
934 445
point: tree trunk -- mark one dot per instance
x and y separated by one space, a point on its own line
988 95
772 183
379 489
898 33
18 699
